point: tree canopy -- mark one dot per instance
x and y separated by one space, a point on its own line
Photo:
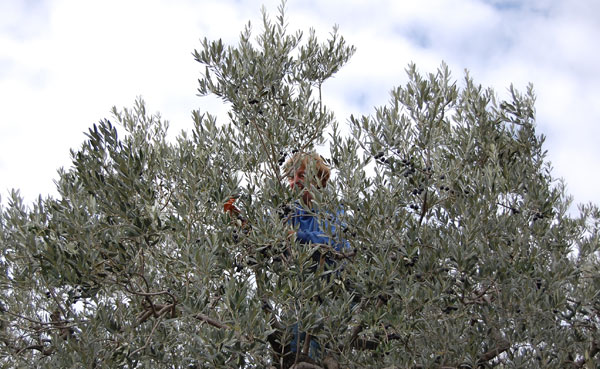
463 253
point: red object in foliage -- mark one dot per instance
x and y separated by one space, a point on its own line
229 207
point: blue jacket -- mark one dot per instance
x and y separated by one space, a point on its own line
310 231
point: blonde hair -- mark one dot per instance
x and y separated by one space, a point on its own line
310 161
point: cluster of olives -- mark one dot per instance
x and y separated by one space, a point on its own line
409 168
283 155
425 174
418 191
415 207
538 216
379 157
445 188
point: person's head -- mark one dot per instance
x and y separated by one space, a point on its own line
305 170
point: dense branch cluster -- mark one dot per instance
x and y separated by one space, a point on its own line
463 254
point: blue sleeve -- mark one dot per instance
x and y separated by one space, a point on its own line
311 229
312 237
318 236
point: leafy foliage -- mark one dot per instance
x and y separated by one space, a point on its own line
464 254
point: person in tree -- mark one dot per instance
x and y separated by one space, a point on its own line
306 173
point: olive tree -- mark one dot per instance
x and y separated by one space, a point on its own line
463 253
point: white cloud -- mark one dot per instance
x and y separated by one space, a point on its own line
90 57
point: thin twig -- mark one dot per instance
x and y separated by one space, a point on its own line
28 319
147 339
40 348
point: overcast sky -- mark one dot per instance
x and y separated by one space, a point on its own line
65 63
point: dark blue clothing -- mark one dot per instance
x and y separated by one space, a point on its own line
314 347
310 231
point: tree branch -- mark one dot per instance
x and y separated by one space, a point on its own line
156 310
304 365
355 332
211 321
502 347
424 208
330 363
45 351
